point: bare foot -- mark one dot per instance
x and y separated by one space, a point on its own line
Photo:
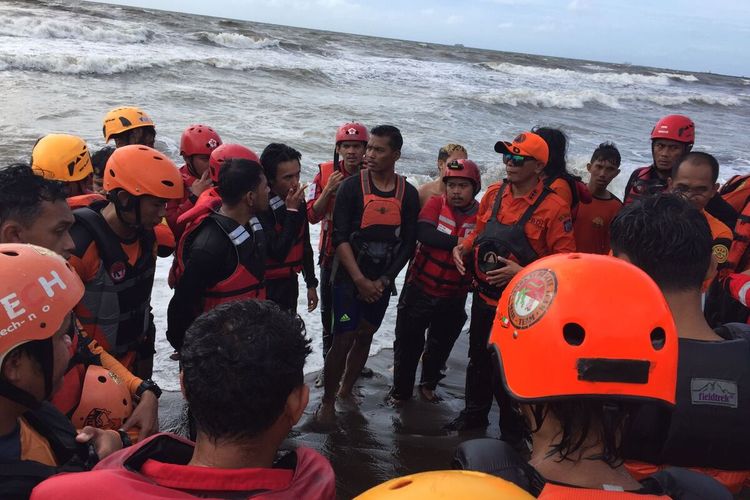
325 414
428 394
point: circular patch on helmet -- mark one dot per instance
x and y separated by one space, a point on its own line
531 297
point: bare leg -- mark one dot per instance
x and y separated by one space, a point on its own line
357 358
334 365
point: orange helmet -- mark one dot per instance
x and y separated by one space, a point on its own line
446 484
38 291
585 325
140 170
61 157
122 119
105 401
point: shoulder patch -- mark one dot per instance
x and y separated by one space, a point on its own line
721 253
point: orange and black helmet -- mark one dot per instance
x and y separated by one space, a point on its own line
140 170
573 325
122 119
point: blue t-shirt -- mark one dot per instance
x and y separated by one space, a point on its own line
10 446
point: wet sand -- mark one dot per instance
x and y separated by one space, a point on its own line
374 442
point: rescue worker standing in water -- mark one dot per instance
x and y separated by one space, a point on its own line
375 232
519 221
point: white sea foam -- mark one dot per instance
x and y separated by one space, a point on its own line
561 99
33 27
678 76
239 41
566 75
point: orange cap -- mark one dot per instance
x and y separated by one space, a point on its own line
525 144
585 325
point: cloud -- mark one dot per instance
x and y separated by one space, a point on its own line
427 12
454 19
505 25
578 5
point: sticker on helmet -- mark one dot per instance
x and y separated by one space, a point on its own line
212 144
531 298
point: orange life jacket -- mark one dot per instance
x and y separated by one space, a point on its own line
381 217
84 200
736 191
326 225
433 268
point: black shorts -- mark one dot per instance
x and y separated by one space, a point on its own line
349 311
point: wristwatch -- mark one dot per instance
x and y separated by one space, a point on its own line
148 385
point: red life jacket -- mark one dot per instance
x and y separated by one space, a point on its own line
142 471
557 492
84 200
433 268
736 191
292 264
242 284
645 182
325 247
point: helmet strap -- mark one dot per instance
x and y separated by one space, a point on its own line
133 204
336 158
17 395
190 167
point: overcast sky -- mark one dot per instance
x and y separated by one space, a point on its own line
693 35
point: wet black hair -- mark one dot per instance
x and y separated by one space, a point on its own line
395 140
667 237
240 361
99 160
274 154
22 193
125 136
699 158
583 418
557 142
607 151
237 177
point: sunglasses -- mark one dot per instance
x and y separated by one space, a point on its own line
518 160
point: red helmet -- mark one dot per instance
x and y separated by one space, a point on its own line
352 132
199 140
227 152
678 128
465 169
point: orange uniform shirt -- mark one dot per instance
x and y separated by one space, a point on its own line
549 231
592 224
722 241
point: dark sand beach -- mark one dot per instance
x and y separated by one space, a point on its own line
374 442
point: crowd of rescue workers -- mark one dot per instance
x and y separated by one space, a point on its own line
612 334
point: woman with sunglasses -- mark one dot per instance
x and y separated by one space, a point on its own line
519 221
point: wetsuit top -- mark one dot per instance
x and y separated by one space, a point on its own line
591 227
209 257
158 468
347 220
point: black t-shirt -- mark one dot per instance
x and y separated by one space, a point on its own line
347 219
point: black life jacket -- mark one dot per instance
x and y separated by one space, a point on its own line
498 458
291 264
709 425
242 283
504 240
644 181
115 307
18 478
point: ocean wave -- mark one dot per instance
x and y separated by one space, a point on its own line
677 76
236 40
78 65
538 73
33 27
552 98
578 99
